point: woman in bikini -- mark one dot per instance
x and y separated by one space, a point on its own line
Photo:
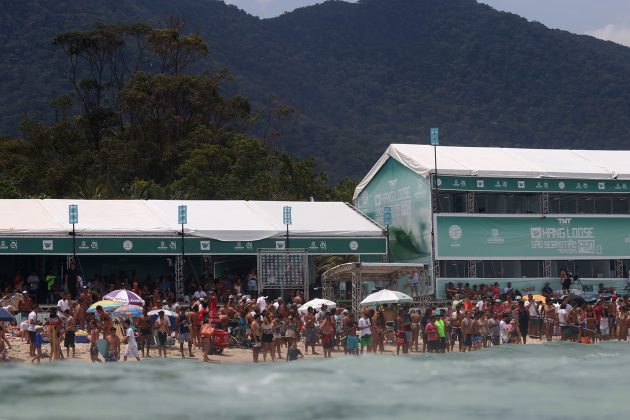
195 324
267 337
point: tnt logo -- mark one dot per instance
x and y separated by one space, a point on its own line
564 220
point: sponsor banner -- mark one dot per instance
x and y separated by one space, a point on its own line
193 246
553 237
400 199
533 285
473 183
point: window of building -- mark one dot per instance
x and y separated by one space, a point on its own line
586 205
620 205
496 203
603 204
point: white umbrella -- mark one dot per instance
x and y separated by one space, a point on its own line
386 296
317 305
166 313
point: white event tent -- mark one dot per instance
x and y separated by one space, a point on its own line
498 162
218 220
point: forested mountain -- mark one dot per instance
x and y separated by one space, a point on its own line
360 76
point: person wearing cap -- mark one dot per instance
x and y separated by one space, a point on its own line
439 325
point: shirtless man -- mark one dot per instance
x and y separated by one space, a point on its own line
550 319
309 330
415 328
328 334
113 346
106 321
467 331
94 333
145 333
71 329
162 325
456 328
256 337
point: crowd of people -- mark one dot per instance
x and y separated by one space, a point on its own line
275 329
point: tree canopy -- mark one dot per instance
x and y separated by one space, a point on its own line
137 124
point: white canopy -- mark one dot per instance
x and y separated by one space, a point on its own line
220 220
505 162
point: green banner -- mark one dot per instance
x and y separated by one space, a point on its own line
468 183
193 246
408 196
462 237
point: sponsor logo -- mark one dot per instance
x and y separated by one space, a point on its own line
495 237
204 245
354 245
561 185
480 183
521 184
127 245
47 245
601 185
535 233
455 232
280 245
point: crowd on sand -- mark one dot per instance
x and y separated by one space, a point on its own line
275 329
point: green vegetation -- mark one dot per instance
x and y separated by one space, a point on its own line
147 129
360 76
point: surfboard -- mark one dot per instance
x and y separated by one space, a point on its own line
101 345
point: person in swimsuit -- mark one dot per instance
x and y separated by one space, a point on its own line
195 325
350 329
267 338
256 337
291 325
94 333
309 330
146 333
328 334
183 333
279 329
415 329
162 325
113 346
106 321
550 319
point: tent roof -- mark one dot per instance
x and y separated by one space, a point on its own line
220 220
505 162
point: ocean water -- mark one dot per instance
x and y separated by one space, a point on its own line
549 381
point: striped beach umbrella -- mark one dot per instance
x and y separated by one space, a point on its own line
128 311
124 296
108 306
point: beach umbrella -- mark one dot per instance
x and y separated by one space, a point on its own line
6 316
124 296
128 311
172 316
317 305
108 306
386 296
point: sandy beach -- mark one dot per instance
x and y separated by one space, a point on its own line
19 353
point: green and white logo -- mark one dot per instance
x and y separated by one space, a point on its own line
455 232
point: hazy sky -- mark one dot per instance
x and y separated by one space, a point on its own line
606 19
